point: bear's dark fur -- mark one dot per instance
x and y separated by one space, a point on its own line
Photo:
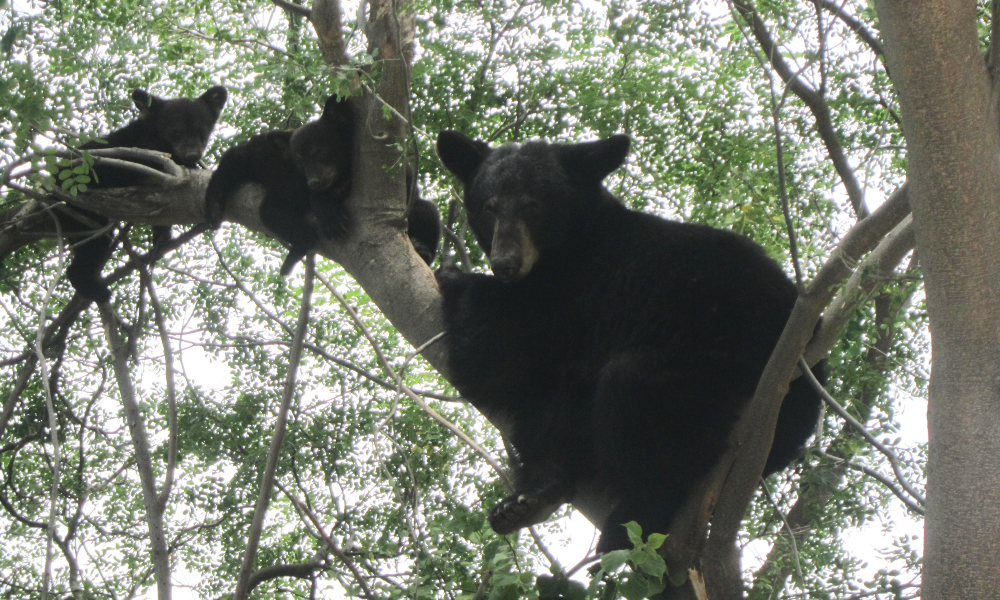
423 223
179 127
424 228
610 347
306 174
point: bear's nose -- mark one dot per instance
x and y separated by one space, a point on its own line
506 268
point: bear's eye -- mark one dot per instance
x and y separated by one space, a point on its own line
491 206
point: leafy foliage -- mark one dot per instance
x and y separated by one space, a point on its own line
364 468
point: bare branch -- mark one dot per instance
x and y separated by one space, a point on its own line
734 479
889 454
866 35
294 9
877 268
51 409
274 452
140 444
168 367
304 570
913 507
811 98
325 17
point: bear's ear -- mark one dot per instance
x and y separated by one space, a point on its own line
596 160
460 154
145 102
215 99
337 111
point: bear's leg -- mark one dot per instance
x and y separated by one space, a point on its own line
657 428
237 166
330 208
287 218
84 270
541 487
797 421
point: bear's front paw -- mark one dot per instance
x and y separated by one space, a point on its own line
513 513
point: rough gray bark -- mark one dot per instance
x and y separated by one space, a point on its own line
950 123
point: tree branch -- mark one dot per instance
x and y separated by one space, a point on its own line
274 452
140 444
811 98
858 427
725 492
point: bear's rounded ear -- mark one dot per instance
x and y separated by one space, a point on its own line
596 160
144 102
215 98
461 154
337 111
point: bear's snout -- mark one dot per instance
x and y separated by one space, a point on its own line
506 268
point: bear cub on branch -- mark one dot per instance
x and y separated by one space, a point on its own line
306 174
614 350
179 127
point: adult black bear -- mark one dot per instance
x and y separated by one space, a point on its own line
609 345
306 174
180 127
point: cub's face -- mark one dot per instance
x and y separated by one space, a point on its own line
322 148
184 124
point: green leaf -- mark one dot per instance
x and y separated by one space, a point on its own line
634 533
655 541
613 560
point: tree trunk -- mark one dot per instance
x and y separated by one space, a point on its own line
950 124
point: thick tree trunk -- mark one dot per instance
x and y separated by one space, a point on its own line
952 140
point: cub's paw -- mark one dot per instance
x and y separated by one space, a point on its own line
515 512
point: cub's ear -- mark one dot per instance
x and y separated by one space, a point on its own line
337 111
460 154
596 160
145 102
215 99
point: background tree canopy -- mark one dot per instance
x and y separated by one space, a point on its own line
776 120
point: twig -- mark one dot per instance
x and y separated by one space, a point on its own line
168 366
793 245
791 534
329 543
810 97
274 452
889 454
910 504
294 9
140 444
50 407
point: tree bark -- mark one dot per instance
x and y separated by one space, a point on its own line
950 125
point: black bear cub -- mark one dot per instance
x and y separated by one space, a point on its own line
306 174
423 221
612 349
180 127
